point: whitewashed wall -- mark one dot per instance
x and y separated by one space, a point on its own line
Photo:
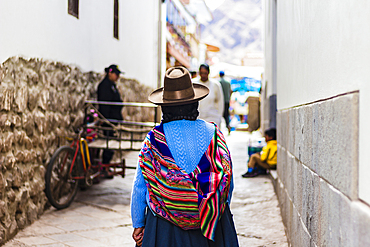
269 77
44 29
324 51
270 47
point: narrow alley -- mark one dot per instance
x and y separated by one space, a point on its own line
300 69
100 216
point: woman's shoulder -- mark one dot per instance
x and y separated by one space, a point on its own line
214 81
104 83
209 124
210 127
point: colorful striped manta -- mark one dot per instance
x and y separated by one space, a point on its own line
190 201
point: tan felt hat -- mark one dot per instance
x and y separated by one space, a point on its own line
178 89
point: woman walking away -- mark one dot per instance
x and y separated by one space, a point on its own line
184 179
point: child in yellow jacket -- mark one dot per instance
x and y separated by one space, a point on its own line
267 159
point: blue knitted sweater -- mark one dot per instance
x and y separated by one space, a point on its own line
187 141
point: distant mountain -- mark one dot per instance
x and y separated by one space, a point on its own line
236 28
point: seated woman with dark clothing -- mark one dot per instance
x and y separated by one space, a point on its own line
183 183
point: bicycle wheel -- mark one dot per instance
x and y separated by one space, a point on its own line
60 188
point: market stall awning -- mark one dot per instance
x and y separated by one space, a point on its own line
212 48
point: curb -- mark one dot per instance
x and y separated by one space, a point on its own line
274 177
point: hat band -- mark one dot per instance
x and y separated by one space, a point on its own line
179 94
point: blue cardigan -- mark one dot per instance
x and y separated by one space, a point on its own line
187 141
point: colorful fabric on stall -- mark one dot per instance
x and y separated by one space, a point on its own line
190 201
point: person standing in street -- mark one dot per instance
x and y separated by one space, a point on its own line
184 179
108 92
226 89
211 108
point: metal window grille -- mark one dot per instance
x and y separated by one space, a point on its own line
73 7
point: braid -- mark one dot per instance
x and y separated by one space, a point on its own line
173 113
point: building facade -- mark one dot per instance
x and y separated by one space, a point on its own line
322 88
52 58
183 32
91 34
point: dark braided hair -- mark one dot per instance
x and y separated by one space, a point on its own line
179 112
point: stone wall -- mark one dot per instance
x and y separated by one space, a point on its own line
39 102
318 174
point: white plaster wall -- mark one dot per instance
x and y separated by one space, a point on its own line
44 29
270 70
323 50
267 76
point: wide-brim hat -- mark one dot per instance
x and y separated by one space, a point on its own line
178 89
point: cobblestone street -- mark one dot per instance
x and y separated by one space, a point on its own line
100 216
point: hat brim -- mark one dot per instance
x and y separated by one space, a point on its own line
200 92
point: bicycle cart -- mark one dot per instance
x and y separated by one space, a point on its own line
78 164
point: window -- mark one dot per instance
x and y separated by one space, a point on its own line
115 20
73 8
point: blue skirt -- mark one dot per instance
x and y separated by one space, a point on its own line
161 233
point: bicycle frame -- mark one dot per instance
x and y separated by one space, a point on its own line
79 144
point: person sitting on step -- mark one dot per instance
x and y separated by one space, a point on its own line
259 163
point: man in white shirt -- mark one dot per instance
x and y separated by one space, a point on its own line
210 108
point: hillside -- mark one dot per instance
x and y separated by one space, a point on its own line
236 28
